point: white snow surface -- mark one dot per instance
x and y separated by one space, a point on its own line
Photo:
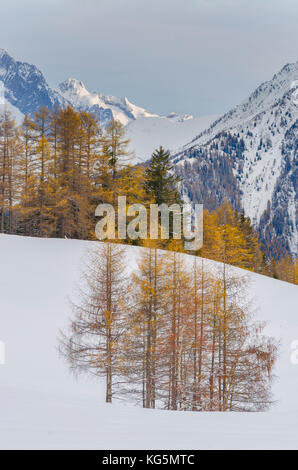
7 106
17 115
148 134
43 407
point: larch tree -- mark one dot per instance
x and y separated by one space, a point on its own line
176 317
28 129
10 149
115 146
199 330
141 343
89 144
286 269
92 344
242 358
71 208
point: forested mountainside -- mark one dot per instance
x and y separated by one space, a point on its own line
256 145
207 172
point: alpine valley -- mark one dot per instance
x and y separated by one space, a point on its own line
248 156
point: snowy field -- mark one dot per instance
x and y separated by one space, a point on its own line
43 407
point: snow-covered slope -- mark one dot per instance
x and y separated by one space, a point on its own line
7 106
266 169
43 406
147 134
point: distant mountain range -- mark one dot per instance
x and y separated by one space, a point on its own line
249 155
25 90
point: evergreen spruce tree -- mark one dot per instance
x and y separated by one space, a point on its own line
159 181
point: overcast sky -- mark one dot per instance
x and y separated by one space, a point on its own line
189 56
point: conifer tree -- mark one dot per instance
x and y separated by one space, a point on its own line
115 146
230 239
200 321
10 149
160 182
28 128
89 144
254 261
92 344
176 317
142 341
71 208
286 269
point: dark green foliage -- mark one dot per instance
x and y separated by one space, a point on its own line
160 182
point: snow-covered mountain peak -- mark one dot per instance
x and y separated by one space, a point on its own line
11 68
25 86
258 141
266 96
71 84
179 117
294 88
3 53
268 93
76 93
